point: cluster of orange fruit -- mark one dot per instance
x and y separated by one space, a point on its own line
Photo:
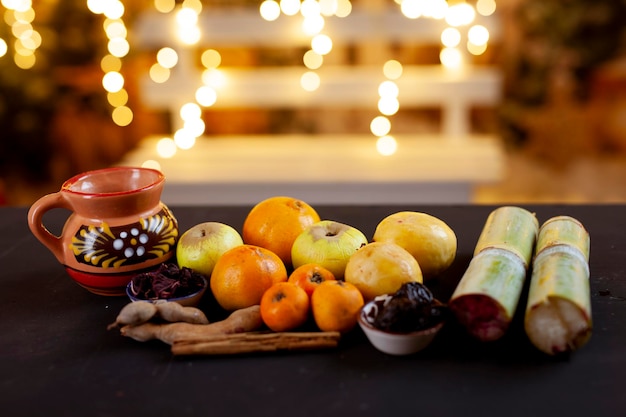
257 273
328 284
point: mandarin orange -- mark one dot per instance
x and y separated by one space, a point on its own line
275 222
243 274
336 305
284 306
310 276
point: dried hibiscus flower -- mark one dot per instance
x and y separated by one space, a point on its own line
168 281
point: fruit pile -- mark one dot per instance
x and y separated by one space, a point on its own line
297 266
290 269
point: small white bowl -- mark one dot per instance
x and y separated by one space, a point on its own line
191 300
394 343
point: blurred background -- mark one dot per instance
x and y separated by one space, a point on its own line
434 101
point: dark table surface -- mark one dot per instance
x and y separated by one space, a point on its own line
57 358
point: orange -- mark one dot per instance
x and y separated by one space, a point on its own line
336 306
242 274
284 306
275 222
310 276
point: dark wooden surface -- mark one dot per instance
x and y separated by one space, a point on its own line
57 358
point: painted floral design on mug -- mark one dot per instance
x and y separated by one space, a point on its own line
111 247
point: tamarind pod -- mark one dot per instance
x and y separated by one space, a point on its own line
144 331
558 312
174 312
134 313
487 295
511 228
563 230
239 321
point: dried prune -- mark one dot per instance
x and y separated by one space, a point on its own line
411 308
168 281
415 292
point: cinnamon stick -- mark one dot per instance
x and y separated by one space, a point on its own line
232 344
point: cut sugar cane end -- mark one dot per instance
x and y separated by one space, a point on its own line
487 296
558 311
557 326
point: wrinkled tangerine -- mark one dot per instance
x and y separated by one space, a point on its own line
275 222
336 305
243 274
284 306
310 276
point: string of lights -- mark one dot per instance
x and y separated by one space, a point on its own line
459 37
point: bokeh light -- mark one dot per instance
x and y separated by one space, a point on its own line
269 10
460 14
328 7
478 35
386 145
211 58
159 74
450 37
122 116
118 98
113 81
312 60
486 7
206 96
214 78
451 58
388 105
380 126
151 163
3 47
184 139
190 111
290 7
164 6
392 69
312 25
187 31
412 8
110 63
321 44
310 81
309 8
388 89
166 147
118 47
167 57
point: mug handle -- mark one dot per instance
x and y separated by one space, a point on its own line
35 222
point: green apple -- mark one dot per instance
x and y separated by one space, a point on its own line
381 268
327 243
430 240
202 245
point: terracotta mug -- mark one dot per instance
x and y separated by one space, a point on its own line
118 226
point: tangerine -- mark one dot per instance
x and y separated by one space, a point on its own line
336 305
310 276
275 222
284 306
242 274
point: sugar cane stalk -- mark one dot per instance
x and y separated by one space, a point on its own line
558 311
487 295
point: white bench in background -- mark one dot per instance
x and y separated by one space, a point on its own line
440 168
455 92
